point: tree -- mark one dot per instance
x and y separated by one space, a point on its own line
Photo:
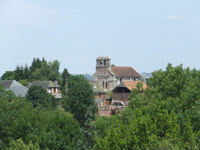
80 99
65 75
54 74
37 95
8 75
26 72
19 73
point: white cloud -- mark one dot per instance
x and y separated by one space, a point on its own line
22 12
172 17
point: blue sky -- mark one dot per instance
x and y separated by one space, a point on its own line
145 35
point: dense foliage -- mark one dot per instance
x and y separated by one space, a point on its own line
37 95
80 99
22 126
39 70
165 116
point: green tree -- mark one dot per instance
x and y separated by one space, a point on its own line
26 72
8 75
19 75
65 76
37 95
54 74
80 99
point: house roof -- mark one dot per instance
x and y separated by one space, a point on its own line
124 72
6 83
44 84
97 87
14 86
131 84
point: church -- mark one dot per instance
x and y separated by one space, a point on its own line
110 76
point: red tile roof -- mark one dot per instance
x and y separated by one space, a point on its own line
132 84
124 72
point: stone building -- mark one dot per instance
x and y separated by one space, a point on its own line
110 76
51 87
99 94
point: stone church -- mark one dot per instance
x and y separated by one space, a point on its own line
110 76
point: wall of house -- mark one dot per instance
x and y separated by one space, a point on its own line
121 97
101 96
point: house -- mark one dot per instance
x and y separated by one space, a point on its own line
123 91
99 94
110 76
51 87
16 87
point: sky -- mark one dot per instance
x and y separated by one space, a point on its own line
143 34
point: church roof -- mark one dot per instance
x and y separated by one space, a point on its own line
124 72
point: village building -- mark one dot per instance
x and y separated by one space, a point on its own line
123 91
15 87
51 87
110 76
99 94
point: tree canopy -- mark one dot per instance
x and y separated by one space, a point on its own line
80 100
39 70
37 95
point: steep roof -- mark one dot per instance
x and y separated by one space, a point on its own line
131 85
97 87
6 83
44 84
124 72
14 86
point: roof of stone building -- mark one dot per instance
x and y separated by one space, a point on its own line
17 88
131 84
124 72
97 87
103 57
44 84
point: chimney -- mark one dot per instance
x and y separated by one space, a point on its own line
56 82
